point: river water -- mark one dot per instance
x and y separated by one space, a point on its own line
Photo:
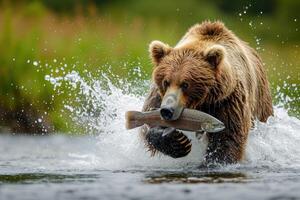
117 166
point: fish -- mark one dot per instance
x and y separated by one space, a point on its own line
190 120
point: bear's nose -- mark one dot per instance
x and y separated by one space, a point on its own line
171 108
166 112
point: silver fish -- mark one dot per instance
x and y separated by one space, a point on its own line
189 120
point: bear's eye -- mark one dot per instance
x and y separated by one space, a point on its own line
184 86
166 84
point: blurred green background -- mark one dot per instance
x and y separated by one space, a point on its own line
97 33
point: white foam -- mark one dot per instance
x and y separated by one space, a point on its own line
275 142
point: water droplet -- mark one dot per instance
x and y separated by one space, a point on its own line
35 63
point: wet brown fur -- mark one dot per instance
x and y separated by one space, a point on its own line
226 79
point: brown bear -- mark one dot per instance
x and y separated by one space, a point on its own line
213 71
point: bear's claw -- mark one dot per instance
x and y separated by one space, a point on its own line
168 141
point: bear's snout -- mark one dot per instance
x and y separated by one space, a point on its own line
171 107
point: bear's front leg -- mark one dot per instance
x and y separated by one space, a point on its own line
228 146
168 141
225 147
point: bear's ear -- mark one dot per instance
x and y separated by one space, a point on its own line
158 50
214 55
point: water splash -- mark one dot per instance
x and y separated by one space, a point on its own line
99 105
275 143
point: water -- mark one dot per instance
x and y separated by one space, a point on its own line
118 167
112 163
86 167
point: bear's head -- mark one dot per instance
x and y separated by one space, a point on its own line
190 75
